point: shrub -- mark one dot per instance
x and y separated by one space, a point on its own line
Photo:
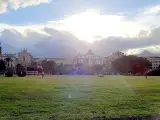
155 72
9 72
2 66
21 72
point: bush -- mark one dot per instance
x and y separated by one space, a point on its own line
9 72
22 74
2 66
155 72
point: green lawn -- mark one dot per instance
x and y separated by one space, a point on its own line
77 97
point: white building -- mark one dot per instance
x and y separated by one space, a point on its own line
13 58
24 58
88 59
155 61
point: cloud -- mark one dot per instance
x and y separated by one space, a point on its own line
15 4
47 42
67 37
129 45
3 6
149 17
55 43
152 10
152 49
86 26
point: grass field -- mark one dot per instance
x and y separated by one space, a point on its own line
77 97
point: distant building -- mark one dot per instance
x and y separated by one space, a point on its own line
88 59
67 63
155 61
58 61
24 58
108 60
13 62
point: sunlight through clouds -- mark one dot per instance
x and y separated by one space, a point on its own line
153 48
117 31
89 24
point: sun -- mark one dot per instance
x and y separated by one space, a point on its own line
89 24
83 25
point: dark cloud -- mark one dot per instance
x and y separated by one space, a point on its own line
112 44
60 44
54 43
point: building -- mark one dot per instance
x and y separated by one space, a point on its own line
12 62
88 59
58 61
108 60
114 56
155 61
24 58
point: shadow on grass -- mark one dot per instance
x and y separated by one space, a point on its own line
141 117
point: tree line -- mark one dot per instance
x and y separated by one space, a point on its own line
48 67
124 65
131 64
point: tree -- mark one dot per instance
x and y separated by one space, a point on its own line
118 65
20 70
59 68
18 67
8 60
49 66
9 72
131 64
97 68
2 66
44 66
155 72
32 67
66 69
34 64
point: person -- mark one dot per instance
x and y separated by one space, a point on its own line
42 74
78 72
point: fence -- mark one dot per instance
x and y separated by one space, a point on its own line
32 72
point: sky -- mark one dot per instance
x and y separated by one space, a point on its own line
77 25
